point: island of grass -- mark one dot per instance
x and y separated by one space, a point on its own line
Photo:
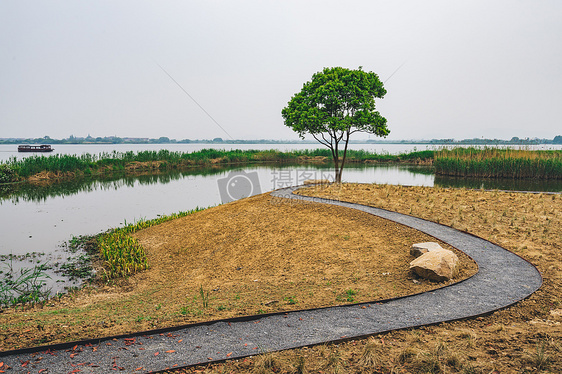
260 255
464 162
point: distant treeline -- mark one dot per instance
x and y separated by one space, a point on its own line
165 140
61 165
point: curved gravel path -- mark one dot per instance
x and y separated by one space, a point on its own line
503 279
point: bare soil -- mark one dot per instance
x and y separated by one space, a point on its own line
252 256
524 338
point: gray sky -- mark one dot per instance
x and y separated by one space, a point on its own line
470 68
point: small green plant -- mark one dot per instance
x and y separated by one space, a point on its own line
204 297
291 300
221 308
26 287
184 311
350 295
540 359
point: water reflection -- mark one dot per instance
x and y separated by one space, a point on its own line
39 192
500 184
40 218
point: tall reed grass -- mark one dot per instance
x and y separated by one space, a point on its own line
109 162
122 254
499 163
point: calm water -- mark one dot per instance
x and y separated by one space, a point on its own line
41 219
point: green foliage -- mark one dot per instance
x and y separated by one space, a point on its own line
204 297
336 103
25 286
7 174
291 300
122 254
337 100
164 160
499 163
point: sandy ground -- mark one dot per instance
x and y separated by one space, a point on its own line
524 338
252 256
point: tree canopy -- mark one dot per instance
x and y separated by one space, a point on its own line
336 103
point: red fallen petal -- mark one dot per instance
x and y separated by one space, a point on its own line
24 364
74 348
137 369
228 355
170 351
108 344
156 353
209 358
42 370
1 364
181 340
245 345
2 371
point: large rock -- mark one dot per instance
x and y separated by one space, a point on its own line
419 249
437 265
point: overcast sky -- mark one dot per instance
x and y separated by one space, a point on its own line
466 69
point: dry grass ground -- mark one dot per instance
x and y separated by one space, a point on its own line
524 338
252 256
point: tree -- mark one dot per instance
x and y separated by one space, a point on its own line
336 103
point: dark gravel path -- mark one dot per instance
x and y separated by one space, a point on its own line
503 279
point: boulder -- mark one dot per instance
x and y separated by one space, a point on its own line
437 265
419 249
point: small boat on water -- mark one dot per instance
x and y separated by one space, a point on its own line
35 148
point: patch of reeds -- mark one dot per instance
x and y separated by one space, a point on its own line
109 162
499 163
24 286
122 254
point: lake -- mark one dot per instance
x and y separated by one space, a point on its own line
42 219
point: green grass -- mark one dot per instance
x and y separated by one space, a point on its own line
499 163
105 163
122 254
